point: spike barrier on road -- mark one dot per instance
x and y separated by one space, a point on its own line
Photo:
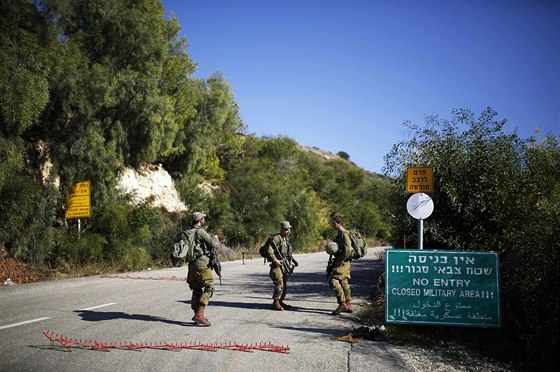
69 343
142 277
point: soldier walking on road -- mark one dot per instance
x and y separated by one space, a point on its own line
341 268
200 277
279 250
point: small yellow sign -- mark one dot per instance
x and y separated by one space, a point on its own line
419 179
78 201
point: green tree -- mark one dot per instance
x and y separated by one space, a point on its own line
25 64
212 135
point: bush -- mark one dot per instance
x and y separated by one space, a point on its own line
493 191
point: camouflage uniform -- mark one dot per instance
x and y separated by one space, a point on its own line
200 277
278 272
341 269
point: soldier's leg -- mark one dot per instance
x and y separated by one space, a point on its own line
193 280
284 290
340 297
277 280
337 288
207 279
347 295
346 289
207 289
195 299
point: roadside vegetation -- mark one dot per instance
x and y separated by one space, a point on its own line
91 87
493 191
83 97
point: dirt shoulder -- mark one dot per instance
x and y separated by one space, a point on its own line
17 271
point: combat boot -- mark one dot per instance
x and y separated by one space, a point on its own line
276 305
341 307
348 307
199 317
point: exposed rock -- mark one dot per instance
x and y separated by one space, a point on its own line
152 182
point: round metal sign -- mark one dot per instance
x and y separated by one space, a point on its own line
420 206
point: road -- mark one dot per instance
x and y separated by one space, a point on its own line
113 310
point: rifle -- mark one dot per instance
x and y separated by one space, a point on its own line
330 266
288 264
215 264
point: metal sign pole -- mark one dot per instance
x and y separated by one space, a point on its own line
420 233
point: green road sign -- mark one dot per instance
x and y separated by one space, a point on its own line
456 288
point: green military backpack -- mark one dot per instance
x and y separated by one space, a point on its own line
359 248
184 249
264 249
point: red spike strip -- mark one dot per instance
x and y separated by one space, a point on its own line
55 337
243 347
103 346
207 347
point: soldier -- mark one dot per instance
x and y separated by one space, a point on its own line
341 268
200 277
280 249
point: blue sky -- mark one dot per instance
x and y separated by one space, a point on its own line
343 75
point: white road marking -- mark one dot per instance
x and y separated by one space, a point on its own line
25 322
98 306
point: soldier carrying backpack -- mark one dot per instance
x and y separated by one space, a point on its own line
340 268
200 277
278 251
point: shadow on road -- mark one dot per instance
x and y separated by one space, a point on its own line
365 275
322 331
98 316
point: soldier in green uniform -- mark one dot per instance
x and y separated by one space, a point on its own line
280 249
200 277
341 268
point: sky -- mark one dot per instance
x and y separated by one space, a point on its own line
344 75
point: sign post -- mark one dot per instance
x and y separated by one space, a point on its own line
420 205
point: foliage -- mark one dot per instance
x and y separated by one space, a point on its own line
211 135
492 191
275 180
89 87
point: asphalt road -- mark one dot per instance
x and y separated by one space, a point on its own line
126 311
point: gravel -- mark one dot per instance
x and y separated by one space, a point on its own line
447 358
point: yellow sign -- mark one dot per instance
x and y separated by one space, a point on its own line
78 201
419 179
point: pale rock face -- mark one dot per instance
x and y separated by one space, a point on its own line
152 182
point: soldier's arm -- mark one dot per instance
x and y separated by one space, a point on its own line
207 239
347 245
272 252
344 249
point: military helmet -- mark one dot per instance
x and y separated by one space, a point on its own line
285 225
331 248
197 216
